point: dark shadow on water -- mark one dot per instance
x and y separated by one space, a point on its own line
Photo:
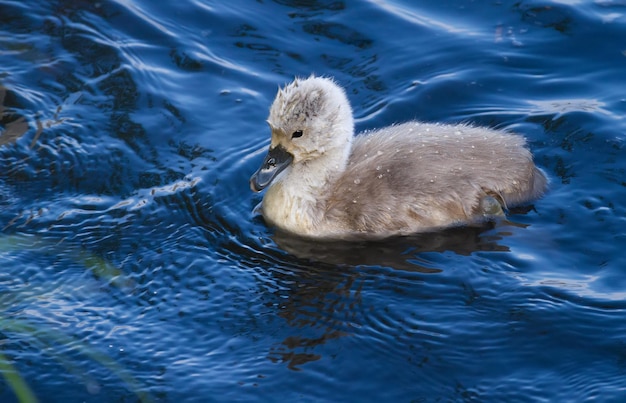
12 125
400 253
319 303
320 296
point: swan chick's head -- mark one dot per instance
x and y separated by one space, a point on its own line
310 120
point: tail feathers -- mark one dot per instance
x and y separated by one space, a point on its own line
537 186
540 183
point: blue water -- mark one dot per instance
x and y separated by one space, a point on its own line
134 268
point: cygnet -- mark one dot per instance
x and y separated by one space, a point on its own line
324 182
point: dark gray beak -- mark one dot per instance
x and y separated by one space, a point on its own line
275 161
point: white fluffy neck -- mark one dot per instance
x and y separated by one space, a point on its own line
296 202
318 175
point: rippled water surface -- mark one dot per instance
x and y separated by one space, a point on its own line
134 268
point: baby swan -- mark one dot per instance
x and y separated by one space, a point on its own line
326 183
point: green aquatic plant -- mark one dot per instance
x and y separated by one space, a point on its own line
50 341
46 340
100 268
16 382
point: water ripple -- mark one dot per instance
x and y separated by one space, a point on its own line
134 262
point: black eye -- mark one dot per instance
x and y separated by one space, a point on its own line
297 133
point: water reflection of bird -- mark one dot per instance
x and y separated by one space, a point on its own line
324 182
